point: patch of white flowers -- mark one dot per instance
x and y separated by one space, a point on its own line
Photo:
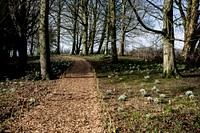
149 116
156 100
122 97
162 95
146 77
190 95
32 100
155 89
157 81
108 92
150 99
143 92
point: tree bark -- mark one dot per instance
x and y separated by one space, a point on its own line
122 36
168 40
44 40
85 27
75 36
102 35
106 51
58 27
93 27
190 24
113 30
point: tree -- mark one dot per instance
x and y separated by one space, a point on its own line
167 33
190 17
75 27
168 39
44 40
122 38
103 33
113 30
58 26
93 25
85 26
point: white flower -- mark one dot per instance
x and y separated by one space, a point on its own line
120 109
12 90
109 76
155 89
144 93
150 99
122 98
188 93
149 116
142 90
162 95
147 77
169 102
108 92
191 97
157 81
156 100
32 100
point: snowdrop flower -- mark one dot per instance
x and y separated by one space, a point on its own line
149 116
122 98
147 77
142 90
144 93
157 81
120 109
162 95
155 89
150 99
32 100
191 97
108 92
109 76
188 93
156 100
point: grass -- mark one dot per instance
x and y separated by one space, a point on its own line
174 111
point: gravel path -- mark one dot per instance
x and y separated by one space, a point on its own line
71 108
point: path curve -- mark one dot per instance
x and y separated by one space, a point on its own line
72 107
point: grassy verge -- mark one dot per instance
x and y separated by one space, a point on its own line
135 98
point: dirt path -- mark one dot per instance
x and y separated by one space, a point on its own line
71 108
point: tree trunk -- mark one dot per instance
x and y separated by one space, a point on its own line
113 30
168 40
93 27
102 35
58 27
44 40
107 30
122 36
75 43
190 23
85 27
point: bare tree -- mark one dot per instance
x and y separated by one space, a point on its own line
44 40
167 33
190 16
85 27
113 30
